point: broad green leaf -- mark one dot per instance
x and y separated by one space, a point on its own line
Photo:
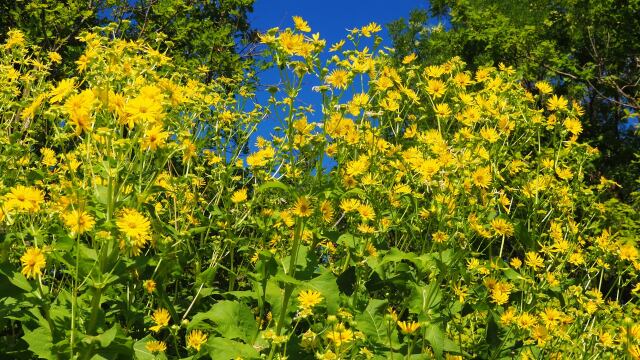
326 284
439 342
372 322
225 349
232 319
40 342
424 298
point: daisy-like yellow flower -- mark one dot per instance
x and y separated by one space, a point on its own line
78 221
436 88
63 89
156 346
366 212
340 335
143 110
408 327
370 29
195 339
154 138
136 226
301 24
23 198
439 237
409 58
573 125
502 227
302 207
327 211
54 57
239 196
48 157
161 319
442 109
534 261
14 38
149 285
544 87
482 177
556 103
309 298
33 261
348 205
338 78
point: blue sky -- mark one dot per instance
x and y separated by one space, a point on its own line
331 18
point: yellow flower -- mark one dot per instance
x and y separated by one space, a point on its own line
149 285
54 57
439 237
309 298
143 110
482 177
370 29
348 205
502 227
32 262
436 88
340 335
48 157
156 346
544 87
154 138
338 78
24 198
408 327
442 109
136 226
573 125
301 24
366 212
14 38
490 134
557 103
63 89
78 221
534 261
195 339
302 207
239 196
409 58
161 319
327 211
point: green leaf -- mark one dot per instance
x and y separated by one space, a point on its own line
424 298
326 284
372 322
439 342
273 185
232 319
40 342
225 349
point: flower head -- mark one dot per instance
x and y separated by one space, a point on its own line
78 221
161 319
32 262
156 346
195 339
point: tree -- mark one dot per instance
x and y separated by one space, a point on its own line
585 48
204 34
